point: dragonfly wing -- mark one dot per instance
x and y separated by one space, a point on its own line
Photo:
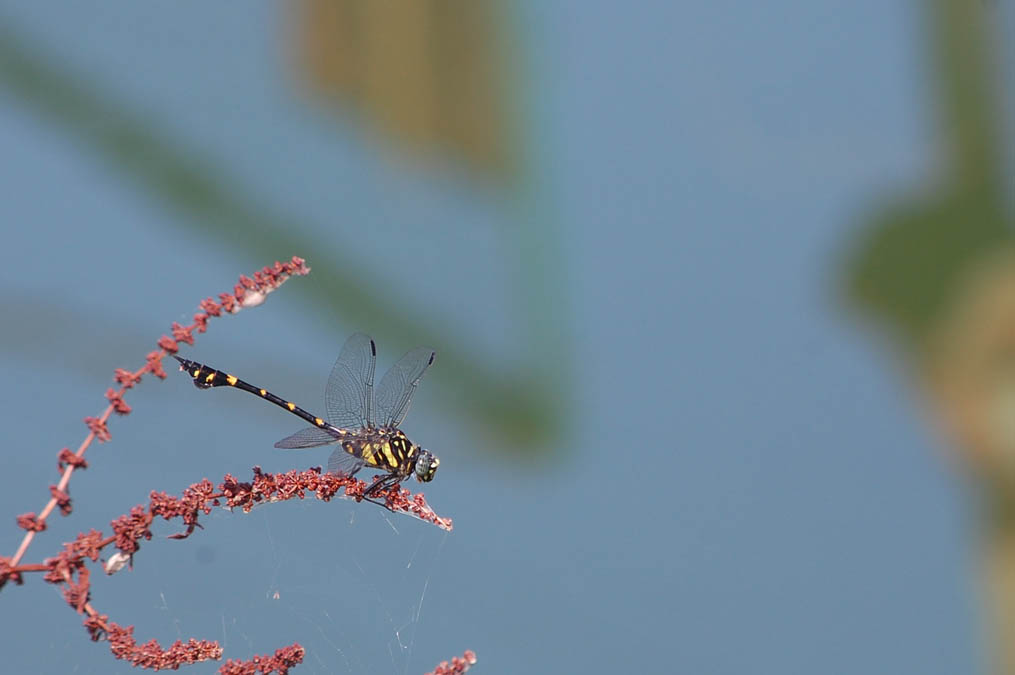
349 395
341 462
394 394
311 437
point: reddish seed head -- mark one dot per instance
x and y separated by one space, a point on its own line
67 458
458 665
31 522
62 499
183 333
150 655
98 427
87 544
129 529
211 307
126 378
281 661
228 302
169 344
154 360
116 400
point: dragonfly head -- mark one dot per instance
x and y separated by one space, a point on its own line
426 466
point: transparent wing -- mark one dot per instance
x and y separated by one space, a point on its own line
394 394
341 462
311 437
348 396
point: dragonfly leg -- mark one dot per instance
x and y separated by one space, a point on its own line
382 482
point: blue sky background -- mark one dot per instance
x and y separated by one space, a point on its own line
747 481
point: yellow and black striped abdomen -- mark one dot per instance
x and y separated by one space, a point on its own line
205 377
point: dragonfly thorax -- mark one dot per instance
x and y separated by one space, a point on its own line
390 450
383 448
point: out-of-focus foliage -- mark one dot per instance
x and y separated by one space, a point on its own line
913 255
430 73
521 407
939 271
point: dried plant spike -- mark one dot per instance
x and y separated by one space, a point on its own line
150 655
70 568
280 662
248 293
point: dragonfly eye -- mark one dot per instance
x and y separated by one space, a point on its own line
426 466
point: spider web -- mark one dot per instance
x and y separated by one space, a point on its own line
349 582
353 598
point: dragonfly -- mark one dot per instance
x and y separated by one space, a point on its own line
362 422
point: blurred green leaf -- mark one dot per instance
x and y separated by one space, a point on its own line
523 407
910 258
913 253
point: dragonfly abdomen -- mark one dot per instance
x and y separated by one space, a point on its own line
206 376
